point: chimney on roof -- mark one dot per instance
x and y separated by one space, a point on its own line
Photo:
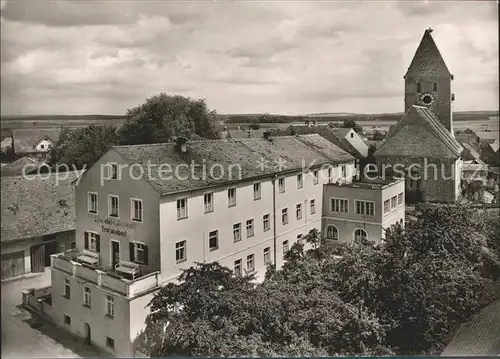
182 144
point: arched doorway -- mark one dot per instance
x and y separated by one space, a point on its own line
86 334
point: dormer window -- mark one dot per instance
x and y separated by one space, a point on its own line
435 87
419 87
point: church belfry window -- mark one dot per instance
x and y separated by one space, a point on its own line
419 87
434 86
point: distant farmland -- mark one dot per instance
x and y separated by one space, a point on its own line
9 123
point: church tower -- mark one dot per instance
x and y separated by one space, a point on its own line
428 82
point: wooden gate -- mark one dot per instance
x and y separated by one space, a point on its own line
37 258
12 264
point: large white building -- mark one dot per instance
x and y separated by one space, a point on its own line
145 212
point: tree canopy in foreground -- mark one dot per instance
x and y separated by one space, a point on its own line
406 296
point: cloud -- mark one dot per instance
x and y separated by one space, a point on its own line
293 57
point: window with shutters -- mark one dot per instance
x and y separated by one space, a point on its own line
113 206
87 299
298 211
110 306
237 267
332 232
365 208
300 181
267 255
256 191
344 171
281 184
67 289
313 206
250 263
285 247
360 235
208 202
92 202
387 206
401 199
237 232
136 209
266 222
182 208
180 251
315 177
250 231
394 203
231 197
339 205
284 216
213 240
139 253
92 241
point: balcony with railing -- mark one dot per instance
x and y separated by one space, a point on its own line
126 278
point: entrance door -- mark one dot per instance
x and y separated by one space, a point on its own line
12 264
115 253
86 334
37 258
50 248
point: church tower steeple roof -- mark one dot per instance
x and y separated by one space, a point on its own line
427 55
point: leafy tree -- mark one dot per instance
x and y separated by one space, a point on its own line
378 136
350 123
468 130
162 118
8 155
83 146
214 313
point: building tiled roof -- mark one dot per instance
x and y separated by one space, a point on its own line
324 131
15 168
342 131
427 50
297 151
26 139
480 336
435 125
35 207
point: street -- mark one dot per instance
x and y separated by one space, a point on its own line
22 337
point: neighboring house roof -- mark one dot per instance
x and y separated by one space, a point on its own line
37 206
433 124
25 140
341 131
472 167
480 336
427 52
15 168
228 155
6 142
324 131
494 147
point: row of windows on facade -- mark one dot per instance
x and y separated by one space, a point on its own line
365 208
238 264
213 236
136 207
208 198
332 232
87 298
138 251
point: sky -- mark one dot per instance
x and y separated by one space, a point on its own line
286 57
